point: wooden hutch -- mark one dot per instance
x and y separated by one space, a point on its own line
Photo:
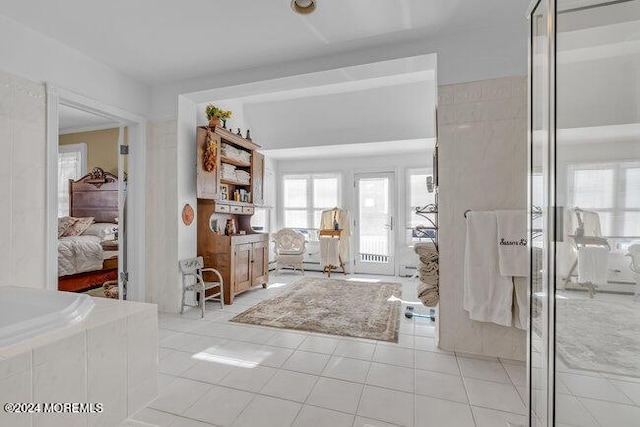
230 183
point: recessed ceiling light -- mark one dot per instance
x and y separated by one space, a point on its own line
303 7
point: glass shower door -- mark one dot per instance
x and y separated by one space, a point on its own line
540 204
584 340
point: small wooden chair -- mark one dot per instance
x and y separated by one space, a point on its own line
194 267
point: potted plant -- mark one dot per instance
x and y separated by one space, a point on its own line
215 115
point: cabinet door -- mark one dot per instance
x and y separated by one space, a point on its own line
242 267
260 263
257 178
207 181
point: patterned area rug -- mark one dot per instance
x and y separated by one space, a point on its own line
336 307
599 336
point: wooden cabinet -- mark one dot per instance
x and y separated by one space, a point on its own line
242 259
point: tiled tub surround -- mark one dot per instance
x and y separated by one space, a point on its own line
482 139
109 358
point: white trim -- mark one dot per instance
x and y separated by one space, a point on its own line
80 129
82 148
136 256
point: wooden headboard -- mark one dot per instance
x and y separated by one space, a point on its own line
96 195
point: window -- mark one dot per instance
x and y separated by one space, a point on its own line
611 190
306 196
418 196
261 220
72 164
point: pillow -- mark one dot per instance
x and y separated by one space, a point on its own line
64 223
100 229
78 227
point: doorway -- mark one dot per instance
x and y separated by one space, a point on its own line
102 179
375 216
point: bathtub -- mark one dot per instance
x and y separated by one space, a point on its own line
25 312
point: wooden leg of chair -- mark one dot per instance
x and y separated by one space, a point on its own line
221 296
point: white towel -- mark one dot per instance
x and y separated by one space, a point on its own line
512 243
488 296
521 305
593 264
329 251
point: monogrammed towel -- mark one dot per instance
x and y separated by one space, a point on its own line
512 243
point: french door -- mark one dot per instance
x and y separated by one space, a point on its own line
374 223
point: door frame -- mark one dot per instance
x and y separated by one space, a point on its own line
393 204
136 234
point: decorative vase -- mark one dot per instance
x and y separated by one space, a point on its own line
229 229
213 122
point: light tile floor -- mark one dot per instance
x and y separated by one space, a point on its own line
588 398
217 373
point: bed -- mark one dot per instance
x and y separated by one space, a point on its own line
85 261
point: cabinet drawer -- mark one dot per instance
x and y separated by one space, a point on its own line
236 209
247 210
222 208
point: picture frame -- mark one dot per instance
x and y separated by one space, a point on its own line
224 192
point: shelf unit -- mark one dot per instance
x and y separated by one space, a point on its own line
242 259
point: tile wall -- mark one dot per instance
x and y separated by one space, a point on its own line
22 181
482 138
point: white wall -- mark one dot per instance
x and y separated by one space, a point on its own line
483 53
22 182
348 167
163 281
32 55
482 165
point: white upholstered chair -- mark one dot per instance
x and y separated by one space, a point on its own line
192 280
289 249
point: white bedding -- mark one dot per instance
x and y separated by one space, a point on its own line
79 254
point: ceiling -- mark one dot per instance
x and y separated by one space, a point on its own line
163 40
72 120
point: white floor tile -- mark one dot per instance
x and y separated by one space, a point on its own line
390 376
503 397
344 368
154 417
437 362
612 414
483 370
307 362
208 371
179 396
176 363
428 344
267 411
437 412
391 406
630 389
319 344
485 417
312 416
336 394
290 385
517 373
593 387
442 386
286 339
189 342
272 356
219 406
570 411
394 356
368 422
355 349
187 422
249 379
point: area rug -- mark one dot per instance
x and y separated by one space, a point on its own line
336 307
600 336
